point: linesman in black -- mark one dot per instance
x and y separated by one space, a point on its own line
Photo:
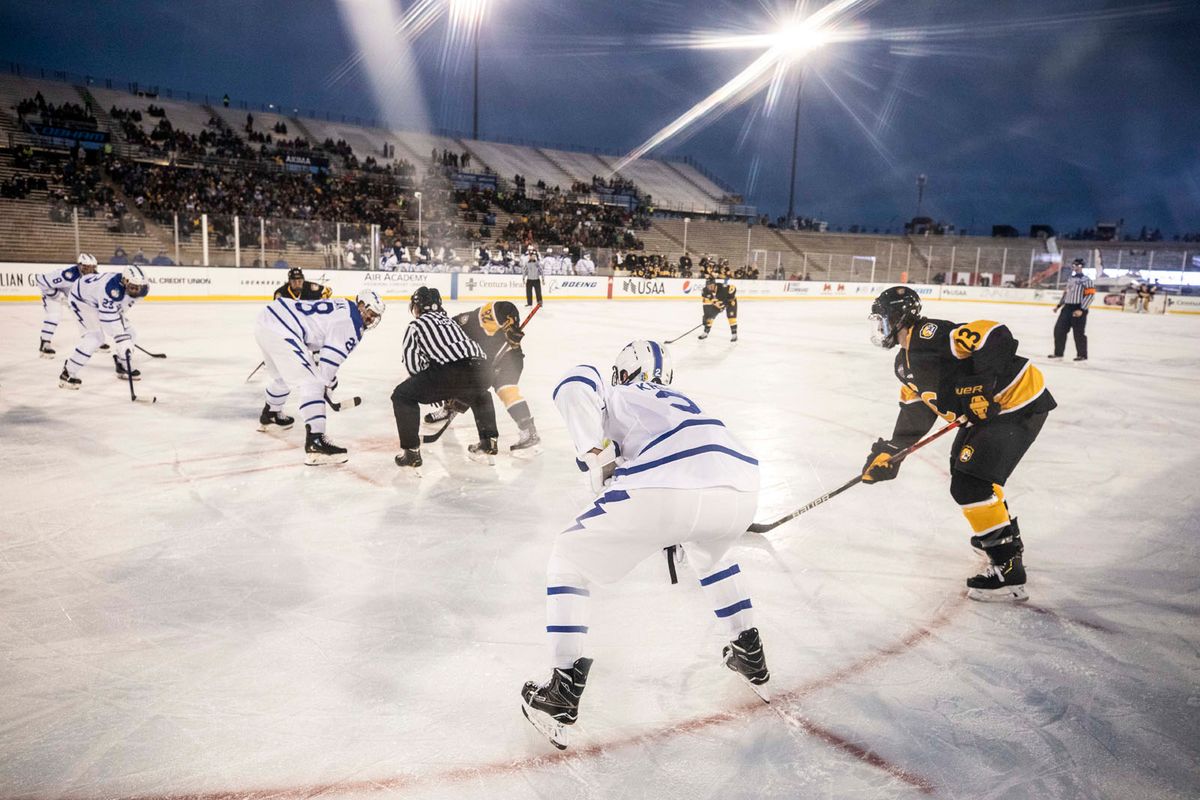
444 365
297 288
716 296
1072 311
947 369
496 328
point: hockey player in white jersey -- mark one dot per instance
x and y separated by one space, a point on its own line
56 288
665 473
304 343
100 303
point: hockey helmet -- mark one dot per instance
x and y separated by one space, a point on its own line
87 263
643 360
506 312
893 310
372 307
133 278
425 298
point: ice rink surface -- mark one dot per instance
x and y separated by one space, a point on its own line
186 610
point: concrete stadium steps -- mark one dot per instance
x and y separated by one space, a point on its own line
189 117
28 235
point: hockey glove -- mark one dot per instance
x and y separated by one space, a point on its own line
514 335
972 397
880 465
600 467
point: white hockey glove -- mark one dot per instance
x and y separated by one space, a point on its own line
600 467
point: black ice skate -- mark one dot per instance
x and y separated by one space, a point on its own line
552 705
703 334
121 371
65 381
733 338
528 444
1004 578
45 350
409 458
318 450
1053 356
744 655
273 420
1080 358
485 451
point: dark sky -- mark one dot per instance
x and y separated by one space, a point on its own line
1022 112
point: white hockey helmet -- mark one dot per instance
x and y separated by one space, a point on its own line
643 360
134 279
370 301
87 263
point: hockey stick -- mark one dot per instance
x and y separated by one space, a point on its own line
354 402
433 437
763 527
254 371
147 352
133 398
680 336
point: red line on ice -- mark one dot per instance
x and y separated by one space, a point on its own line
507 768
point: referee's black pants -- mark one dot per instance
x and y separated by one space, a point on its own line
530 287
1067 321
467 380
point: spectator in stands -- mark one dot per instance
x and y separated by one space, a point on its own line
280 263
162 260
139 258
119 257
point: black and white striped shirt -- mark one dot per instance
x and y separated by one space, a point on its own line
1079 291
434 338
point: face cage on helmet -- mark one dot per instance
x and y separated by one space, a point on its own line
882 333
136 289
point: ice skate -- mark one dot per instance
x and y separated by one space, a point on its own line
1003 580
744 655
121 371
703 334
733 338
65 381
45 350
484 452
437 416
318 450
529 444
411 459
270 420
551 706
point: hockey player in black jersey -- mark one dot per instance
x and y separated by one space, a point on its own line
972 370
297 288
496 327
716 296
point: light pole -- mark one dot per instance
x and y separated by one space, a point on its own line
921 179
791 214
686 220
469 13
475 104
418 196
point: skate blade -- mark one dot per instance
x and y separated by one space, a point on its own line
1005 594
270 427
546 725
323 459
65 385
527 452
48 356
483 458
123 378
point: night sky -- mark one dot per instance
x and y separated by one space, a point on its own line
1019 111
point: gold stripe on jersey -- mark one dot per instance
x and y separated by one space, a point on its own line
908 395
987 516
966 339
487 319
1026 387
930 399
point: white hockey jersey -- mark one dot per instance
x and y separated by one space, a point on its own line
662 438
329 328
58 281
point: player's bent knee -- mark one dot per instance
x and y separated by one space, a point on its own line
966 489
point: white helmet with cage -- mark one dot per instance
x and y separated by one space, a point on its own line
87 263
643 360
370 301
134 279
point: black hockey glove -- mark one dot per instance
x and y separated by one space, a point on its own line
880 465
971 396
514 335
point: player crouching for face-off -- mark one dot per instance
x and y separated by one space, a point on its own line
99 302
56 288
304 343
681 477
972 371
443 365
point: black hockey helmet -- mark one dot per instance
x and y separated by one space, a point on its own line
893 310
425 298
506 312
1079 262
295 273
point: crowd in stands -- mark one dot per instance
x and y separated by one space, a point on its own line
613 185
446 158
554 219
66 114
642 265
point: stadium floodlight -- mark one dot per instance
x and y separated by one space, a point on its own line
468 15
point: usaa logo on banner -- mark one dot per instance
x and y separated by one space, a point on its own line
643 286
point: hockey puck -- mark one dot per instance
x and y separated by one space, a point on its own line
357 401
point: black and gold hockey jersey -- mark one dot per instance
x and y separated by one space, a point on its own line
309 291
492 325
941 354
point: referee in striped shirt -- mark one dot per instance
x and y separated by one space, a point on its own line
443 364
1072 311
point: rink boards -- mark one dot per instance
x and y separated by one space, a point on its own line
18 282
